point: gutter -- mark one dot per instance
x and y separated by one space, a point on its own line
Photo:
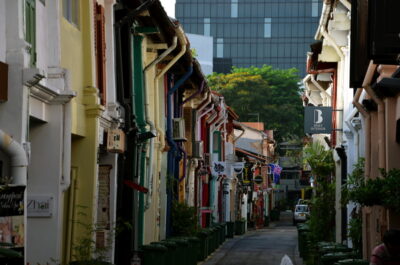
19 160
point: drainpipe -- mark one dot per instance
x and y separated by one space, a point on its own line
346 3
200 90
338 98
19 160
381 125
198 119
319 87
183 43
354 132
170 94
367 80
138 99
239 136
153 127
66 175
213 128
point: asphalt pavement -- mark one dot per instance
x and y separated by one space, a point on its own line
260 247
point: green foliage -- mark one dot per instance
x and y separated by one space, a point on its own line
382 191
355 233
84 249
272 93
354 181
319 159
184 221
322 214
391 191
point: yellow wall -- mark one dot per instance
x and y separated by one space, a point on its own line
151 216
77 55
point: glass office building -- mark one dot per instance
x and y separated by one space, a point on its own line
254 32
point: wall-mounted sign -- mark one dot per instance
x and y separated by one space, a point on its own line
317 120
258 179
40 206
218 168
11 200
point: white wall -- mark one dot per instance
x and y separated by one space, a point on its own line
204 48
2 31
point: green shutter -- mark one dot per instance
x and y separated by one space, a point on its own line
30 28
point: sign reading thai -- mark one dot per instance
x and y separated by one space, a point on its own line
317 120
40 206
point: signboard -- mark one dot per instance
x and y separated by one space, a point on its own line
247 173
218 168
11 200
317 120
40 206
12 215
258 179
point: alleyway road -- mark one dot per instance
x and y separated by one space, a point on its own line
260 247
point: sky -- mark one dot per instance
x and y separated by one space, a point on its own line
169 6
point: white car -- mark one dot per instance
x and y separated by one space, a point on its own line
301 213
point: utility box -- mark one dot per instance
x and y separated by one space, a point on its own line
3 82
116 141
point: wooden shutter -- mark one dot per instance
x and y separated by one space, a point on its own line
188 116
3 84
30 29
100 48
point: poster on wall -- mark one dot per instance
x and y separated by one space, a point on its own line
12 215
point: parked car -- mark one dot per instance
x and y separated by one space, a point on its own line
301 213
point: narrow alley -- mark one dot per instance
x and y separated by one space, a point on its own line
260 247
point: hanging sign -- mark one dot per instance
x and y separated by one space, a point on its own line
218 168
258 179
238 167
317 120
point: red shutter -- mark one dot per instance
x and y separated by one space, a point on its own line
100 48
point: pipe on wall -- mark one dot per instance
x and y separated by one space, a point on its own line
19 159
66 153
153 126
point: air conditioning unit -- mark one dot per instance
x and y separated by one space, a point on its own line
116 141
198 149
179 129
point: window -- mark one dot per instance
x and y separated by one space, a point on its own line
71 11
234 8
314 8
100 48
220 48
207 27
267 27
30 29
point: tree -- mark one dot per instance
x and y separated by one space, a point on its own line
272 93
322 217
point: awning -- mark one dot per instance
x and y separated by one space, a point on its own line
259 157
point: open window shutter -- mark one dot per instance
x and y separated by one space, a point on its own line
187 115
100 47
30 29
